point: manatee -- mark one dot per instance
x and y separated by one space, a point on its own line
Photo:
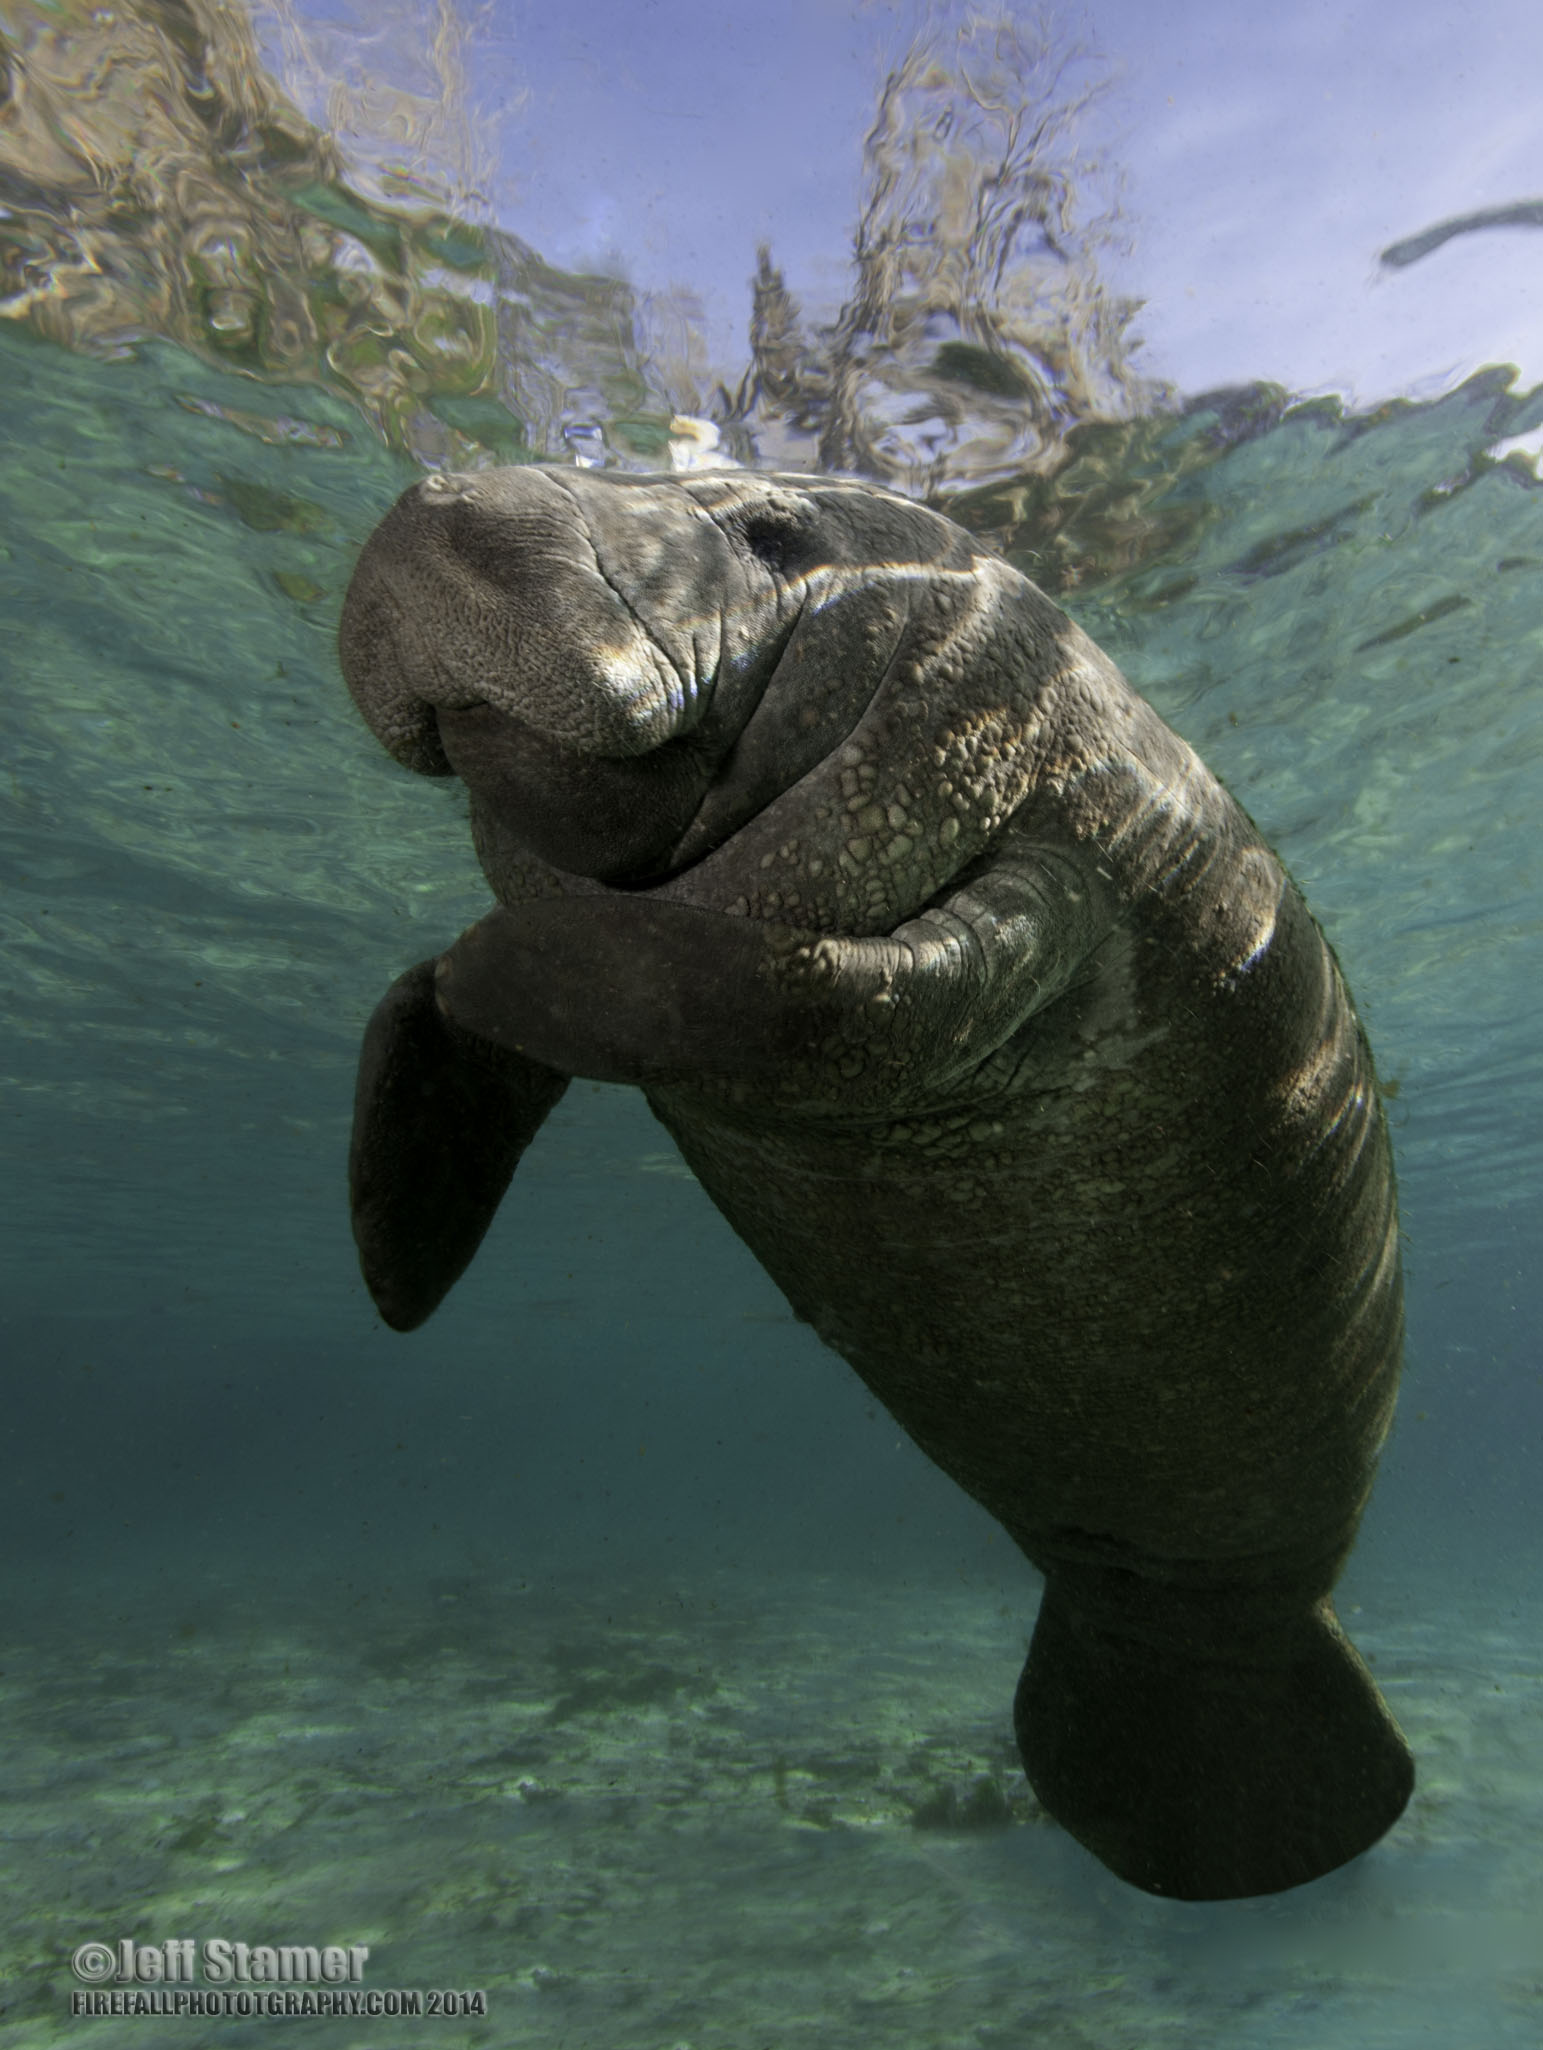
992 1026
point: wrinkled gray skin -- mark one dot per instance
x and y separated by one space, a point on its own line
991 1025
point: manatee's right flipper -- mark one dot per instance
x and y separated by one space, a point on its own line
626 987
440 1122
1200 1754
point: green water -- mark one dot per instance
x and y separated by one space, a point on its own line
601 1646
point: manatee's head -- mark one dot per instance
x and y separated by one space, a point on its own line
622 669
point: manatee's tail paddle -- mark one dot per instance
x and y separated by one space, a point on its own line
440 1122
1199 1759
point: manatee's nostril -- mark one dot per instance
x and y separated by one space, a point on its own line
439 484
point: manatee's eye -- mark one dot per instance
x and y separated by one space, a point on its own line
775 536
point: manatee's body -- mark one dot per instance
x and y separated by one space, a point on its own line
991 1025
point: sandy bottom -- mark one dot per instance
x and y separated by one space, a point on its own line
714 1817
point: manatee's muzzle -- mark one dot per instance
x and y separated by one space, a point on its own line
491 589
488 633
611 663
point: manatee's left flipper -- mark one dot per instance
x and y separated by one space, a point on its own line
624 987
440 1122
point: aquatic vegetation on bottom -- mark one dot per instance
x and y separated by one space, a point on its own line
813 1834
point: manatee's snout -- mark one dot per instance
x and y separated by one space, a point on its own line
625 669
553 645
498 588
